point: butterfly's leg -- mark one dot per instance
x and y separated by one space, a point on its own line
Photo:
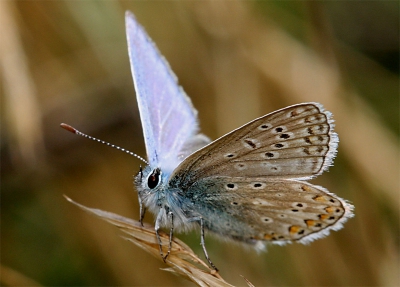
171 233
157 228
203 245
142 210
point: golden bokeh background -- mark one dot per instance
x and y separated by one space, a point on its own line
67 61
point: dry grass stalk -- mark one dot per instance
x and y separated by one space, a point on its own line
182 260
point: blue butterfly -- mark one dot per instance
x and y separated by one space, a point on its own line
246 185
249 185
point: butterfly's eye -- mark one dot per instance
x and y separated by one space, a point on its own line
154 178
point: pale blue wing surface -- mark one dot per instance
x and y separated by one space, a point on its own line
168 117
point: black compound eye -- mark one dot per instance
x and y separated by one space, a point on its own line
154 178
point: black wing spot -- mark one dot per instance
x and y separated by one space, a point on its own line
284 136
250 143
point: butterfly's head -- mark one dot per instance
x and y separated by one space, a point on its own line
149 180
150 184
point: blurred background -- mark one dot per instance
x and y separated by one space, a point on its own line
67 61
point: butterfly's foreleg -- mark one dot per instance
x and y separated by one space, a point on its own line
142 210
203 245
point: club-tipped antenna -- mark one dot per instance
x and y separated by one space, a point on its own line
75 131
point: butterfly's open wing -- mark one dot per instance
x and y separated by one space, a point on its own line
168 118
279 211
296 142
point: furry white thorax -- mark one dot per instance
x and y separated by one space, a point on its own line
163 199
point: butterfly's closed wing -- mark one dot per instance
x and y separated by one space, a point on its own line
247 184
296 142
259 209
168 118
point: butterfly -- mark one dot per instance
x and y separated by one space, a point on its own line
249 185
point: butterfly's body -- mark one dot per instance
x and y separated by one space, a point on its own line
164 199
167 197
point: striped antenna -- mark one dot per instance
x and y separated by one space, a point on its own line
75 131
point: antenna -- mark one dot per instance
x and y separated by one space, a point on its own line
75 131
